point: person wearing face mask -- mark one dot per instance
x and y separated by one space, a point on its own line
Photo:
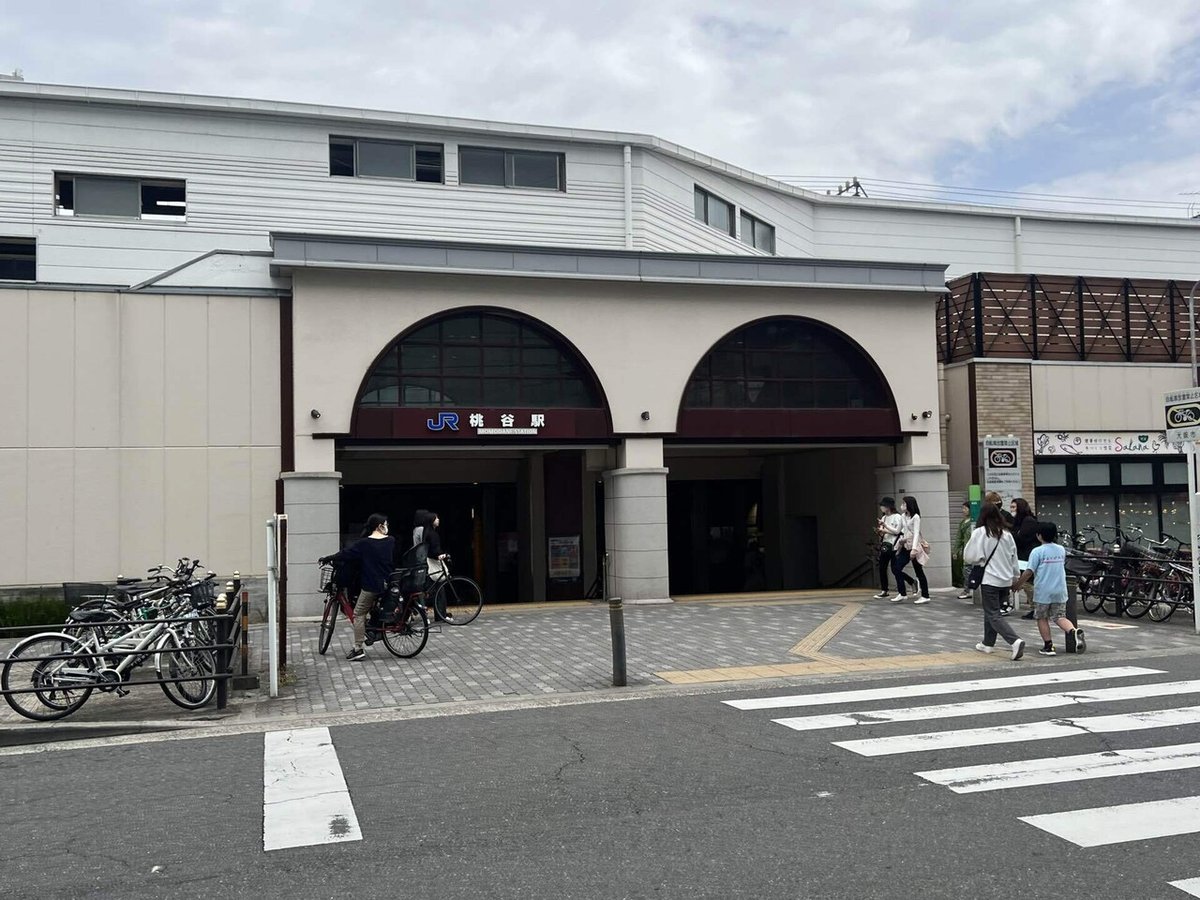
373 552
435 558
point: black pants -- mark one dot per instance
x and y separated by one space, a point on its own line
887 554
903 558
994 623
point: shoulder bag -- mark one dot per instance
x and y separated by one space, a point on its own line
975 576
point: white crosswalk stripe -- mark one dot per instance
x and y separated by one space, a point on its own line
305 800
1188 885
1025 731
1106 825
1067 676
1093 827
990 707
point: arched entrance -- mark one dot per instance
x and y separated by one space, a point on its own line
772 467
482 415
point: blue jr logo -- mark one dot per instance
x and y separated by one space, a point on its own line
443 420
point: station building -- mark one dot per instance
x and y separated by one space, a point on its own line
592 353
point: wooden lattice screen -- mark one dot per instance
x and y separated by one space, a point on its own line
1060 317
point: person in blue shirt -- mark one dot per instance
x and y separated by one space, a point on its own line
1047 569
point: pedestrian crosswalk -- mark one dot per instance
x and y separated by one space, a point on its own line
885 725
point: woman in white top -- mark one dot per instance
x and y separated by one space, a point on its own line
992 546
906 552
890 530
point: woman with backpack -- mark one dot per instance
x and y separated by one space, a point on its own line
373 551
992 546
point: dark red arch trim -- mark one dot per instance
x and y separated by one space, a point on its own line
409 423
865 425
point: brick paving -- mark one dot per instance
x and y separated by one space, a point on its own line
511 652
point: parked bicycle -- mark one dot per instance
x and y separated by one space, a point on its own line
52 674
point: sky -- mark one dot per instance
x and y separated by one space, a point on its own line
1067 98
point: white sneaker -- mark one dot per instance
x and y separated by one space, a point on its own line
966 595
899 597
984 648
920 600
1018 648
882 595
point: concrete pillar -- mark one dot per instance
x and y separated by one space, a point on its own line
312 502
635 522
929 484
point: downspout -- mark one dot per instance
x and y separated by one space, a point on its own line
1017 244
628 197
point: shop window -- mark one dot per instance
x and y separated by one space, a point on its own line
1175 473
785 364
370 158
1137 473
757 233
512 168
1139 512
18 259
1048 475
1095 511
1093 475
103 196
713 211
480 359
1175 515
1056 509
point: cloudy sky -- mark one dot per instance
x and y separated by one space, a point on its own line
1087 98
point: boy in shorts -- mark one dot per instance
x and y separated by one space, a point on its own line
1047 569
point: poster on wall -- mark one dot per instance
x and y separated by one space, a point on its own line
1002 466
563 557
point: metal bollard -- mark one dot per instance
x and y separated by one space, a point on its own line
616 623
222 655
1072 612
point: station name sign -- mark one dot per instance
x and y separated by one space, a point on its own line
529 424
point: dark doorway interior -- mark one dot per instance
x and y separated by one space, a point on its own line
478 526
715 535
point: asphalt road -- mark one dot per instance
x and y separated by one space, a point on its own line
675 797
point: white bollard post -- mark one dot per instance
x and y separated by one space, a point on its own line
272 604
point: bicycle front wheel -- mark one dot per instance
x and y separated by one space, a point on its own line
194 670
328 620
458 600
406 639
55 682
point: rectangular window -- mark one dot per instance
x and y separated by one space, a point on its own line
1093 475
1047 475
757 233
713 211
512 168
18 259
119 198
371 158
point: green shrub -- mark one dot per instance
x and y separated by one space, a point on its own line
38 611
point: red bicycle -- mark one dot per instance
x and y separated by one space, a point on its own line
398 619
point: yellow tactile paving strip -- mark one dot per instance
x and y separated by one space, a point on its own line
826 665
815 642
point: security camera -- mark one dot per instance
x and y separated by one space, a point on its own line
646 415
315 413
928 414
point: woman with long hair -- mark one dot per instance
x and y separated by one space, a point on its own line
908 550
373 551
1025 529
992 546
890 529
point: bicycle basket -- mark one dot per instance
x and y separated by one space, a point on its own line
76 592
203 593
326 576
1080 565
409 580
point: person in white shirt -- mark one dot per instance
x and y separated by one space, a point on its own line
890 529
992 546
909 550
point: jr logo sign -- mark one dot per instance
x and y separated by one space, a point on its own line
443 420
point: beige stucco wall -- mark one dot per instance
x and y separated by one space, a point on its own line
137 428
1102 396
643 340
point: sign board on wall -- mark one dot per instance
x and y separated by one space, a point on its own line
1002 466
1182 412
563 557
1103 443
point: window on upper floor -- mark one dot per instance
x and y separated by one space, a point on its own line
18 259
757 233
713 211
120 198
370 158
512 168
